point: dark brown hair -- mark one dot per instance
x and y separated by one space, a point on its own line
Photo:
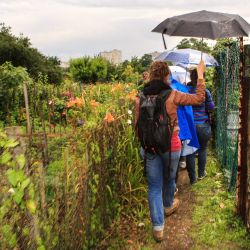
194 76
158 70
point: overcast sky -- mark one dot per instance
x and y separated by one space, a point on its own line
73 28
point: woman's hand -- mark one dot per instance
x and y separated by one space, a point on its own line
201 69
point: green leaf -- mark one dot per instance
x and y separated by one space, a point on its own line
12 177
15 176
11 144
5 157
30 204
20 160
18 196
13 241
41 248
31 192
5 208
25 183
25 231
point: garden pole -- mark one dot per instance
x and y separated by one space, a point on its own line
243 146
26 99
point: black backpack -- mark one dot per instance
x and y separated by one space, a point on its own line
153 126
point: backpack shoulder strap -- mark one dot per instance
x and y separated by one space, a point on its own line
165 94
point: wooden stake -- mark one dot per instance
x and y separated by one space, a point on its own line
242 203
26 99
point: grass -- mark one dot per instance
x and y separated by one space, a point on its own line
215 223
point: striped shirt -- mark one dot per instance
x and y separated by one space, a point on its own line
200 112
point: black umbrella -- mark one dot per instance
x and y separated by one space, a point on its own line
204 24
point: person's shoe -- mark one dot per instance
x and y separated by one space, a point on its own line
176 191
158 235
193 182
203 176
182 164
173 208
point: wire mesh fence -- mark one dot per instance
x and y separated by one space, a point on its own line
227 112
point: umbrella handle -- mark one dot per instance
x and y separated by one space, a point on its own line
201 44
165 46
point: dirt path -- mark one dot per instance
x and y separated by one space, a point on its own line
179 224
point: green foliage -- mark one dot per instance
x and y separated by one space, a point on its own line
80 69
146 61
87 70
209 78
141 64
11 88
94 174
99 69
222 44
216 226
194 43
129 75
17 199
19 52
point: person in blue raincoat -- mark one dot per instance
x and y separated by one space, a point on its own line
187 131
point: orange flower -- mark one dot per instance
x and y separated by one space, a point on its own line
79 102
94 104
70 103
132 95
109 118
117 87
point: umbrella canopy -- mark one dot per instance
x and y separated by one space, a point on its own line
180 74
205 24
186 57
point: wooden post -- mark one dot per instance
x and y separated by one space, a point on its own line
244 132
247 145
248 153
26 99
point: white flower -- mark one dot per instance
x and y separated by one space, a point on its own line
141 224
130 112
11 191
129 122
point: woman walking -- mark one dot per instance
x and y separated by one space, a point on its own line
161 189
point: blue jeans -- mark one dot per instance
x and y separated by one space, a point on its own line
161 188
203 133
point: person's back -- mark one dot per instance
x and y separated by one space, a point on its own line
203 130
201 112
160 189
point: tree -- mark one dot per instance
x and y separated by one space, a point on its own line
99 69
184 44
141 64
136 64
88 69
19 52
129 75
11 83
114 72
80 69
194 43
222 44
53 70
146 61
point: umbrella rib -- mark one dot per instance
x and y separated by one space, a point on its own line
177 27
240 27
